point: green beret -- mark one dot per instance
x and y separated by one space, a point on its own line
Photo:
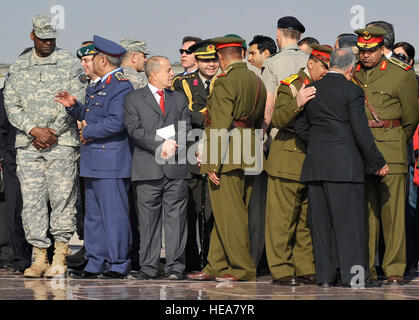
86 51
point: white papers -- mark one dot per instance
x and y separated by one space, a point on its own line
166 132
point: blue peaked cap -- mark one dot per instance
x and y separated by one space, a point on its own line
108 47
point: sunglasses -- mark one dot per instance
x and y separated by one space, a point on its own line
187 51
402 57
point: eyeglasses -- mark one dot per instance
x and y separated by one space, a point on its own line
187 51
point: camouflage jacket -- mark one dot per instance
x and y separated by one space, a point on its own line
137 79
29 94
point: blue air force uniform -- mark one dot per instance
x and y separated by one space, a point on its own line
106 166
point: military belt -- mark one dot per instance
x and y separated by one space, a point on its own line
384 123
243 124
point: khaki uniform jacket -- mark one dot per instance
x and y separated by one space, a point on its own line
280 65
287 152
392 91
232 98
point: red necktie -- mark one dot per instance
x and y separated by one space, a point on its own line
161 94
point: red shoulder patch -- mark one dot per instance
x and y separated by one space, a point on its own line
306 82
358 67
108 79
383 66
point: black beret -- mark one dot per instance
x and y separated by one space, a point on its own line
291 23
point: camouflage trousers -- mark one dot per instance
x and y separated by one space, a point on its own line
48 176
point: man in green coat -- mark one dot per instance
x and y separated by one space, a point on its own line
237 104
289 247
391 105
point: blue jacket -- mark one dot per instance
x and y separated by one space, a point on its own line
109 153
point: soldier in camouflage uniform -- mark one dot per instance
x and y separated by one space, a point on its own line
391 105
47 144
134 60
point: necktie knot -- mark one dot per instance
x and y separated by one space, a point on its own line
160 93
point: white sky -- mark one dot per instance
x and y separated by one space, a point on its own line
163 23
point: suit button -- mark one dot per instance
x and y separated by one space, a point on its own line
87 110
92 97
103 147
97 103
366 86
295 149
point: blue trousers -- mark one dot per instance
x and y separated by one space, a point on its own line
107 230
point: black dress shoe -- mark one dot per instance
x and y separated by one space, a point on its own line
112 275
140 276
175 276
76 258
286 281
307 279
77 274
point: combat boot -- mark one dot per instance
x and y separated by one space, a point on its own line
58 266
39 266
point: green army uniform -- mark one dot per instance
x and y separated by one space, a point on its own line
196 92
288 242
234 98
393 93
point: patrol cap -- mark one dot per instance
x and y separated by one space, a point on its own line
43 27
86 51
370 38
133 45
321 52
108 47
291 23
224 42
232 35
204 50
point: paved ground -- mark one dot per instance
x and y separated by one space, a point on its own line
15 287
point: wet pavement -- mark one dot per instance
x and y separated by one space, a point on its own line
16 287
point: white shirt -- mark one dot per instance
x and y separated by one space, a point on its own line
154 92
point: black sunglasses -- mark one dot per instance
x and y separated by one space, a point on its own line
187 51
403 57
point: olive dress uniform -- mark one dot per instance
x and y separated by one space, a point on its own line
392 92
289 248
238 94
197 93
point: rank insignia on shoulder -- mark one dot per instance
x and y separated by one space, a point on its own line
383 66
358 67
108 79
121 77
226 71
401 64
290 79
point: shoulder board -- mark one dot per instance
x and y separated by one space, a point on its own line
401 64
121 77
226 71
189 76
290 79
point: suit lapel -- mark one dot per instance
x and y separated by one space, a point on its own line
150 100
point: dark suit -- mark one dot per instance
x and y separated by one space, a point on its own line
159 187
339 140
106 166
22 250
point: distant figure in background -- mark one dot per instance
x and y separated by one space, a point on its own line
134 60
305 44
187 57
405 52
21 249
260 48
348 40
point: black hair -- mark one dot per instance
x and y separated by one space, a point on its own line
264 43
191 38
347 40
410 50
389 38
309 41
